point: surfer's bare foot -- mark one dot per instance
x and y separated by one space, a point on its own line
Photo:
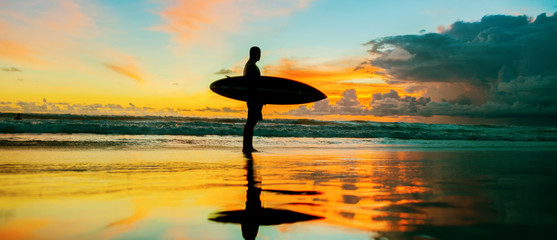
249 150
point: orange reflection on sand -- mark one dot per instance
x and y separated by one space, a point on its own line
123 193
108 193
384 191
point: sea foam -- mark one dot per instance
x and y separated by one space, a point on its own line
130 125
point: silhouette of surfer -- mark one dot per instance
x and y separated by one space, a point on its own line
252 75
18 117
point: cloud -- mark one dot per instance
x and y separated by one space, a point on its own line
207 22
39 34
224 109
127 65
511 59
63 16
224 72
73 21
383 104
11 69
332 70
106 109
347 105
126 72
91 109
331 76
392 104
21 53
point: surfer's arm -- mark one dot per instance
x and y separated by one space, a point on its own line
251 75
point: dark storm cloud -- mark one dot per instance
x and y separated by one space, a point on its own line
473 52
513 58
505 65
391 104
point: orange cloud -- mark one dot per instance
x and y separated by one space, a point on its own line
188 16
20 53
336 70
67 16
333 77
125 64
38 33
125 71
64 16
208 21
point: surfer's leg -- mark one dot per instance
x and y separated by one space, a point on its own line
248 134
254 115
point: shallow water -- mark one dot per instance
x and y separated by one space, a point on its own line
359 192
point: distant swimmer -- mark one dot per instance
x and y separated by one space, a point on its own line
252 74
18 117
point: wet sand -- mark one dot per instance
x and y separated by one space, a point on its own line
355 193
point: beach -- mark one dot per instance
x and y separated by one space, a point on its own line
176 187
375 120
288 120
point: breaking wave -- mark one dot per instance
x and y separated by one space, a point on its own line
131 125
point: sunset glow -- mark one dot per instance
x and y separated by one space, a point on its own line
159 57
430 119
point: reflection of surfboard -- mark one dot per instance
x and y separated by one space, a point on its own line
264 216
269 90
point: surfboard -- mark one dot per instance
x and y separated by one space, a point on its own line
269 90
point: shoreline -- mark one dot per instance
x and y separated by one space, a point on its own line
102 141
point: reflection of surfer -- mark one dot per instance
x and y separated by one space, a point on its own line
252 214
252 74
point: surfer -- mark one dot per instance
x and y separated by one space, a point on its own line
252 73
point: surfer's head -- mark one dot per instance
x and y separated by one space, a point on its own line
254 53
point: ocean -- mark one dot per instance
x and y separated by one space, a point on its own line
128 177
73 130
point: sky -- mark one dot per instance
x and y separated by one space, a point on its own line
432 61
